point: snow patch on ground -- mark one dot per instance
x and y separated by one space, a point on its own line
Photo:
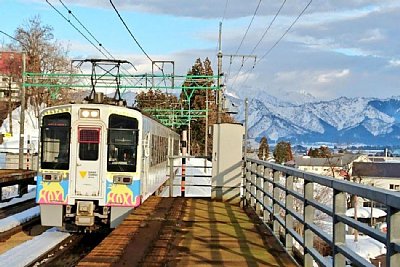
18 219
12 192
28 252
366 247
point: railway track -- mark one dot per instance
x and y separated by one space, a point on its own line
70 251
143 239
16 208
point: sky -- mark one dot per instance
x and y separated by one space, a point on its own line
335 48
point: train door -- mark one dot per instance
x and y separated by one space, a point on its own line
146 163
88 161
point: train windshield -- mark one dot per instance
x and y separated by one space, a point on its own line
55 141
122 144
89 140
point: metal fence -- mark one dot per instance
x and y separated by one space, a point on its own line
11 161
189 176
286 199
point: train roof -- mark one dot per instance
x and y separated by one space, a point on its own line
109 105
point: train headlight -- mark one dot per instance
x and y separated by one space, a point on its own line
119 179
85 113
89 113
94 113
51 177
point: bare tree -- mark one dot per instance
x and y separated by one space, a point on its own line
44 55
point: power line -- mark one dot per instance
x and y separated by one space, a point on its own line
9 36
84 36
241 42
276 43
127 28
262 37
248 27
226 7
83 26
269 26
288 29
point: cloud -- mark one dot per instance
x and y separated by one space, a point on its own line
394 62
332 75
373 35
211 9
341 47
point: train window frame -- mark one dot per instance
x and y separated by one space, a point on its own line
55 129
159 149
88 143
122 143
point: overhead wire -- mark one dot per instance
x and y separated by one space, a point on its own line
83 26
9 36
241 43
91 35
99 43
81 33
277 42
260 40
131 34
287 30
269 26
248 27
127 28
226 7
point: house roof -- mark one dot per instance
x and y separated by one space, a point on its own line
336 160
371 169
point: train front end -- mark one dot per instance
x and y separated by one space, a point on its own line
88 176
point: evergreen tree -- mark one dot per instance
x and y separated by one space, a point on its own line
196 95
198 98
263 149
283 152
321 152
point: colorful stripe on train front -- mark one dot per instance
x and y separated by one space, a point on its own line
123 195
51 192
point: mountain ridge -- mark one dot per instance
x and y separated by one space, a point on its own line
362 120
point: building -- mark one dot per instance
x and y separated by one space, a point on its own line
337 165
384 175
11 63
10 75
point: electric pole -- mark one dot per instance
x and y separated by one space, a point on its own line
22 115
219 81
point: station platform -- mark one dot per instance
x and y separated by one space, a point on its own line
221 234
22 178
10 176
189 232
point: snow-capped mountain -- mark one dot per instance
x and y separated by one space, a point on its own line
369 121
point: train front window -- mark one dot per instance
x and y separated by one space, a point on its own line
89 140
122 144
55 141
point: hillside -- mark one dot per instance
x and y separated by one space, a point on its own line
368 121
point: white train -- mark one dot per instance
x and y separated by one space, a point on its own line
97 162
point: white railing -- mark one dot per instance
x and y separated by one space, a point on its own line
287 201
